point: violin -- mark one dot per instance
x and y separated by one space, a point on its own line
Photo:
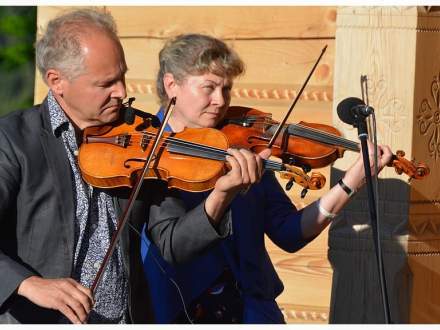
308 145
111 156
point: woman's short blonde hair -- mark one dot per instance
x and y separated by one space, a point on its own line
196 54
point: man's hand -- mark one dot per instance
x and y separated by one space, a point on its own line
65 295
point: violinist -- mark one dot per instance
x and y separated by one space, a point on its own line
55 227
234 281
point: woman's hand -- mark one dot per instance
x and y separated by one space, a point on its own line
246 169
355 175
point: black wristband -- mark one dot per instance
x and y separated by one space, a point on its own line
350 192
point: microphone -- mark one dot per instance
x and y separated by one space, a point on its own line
129 112
353 109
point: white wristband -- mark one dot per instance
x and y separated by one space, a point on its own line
324 212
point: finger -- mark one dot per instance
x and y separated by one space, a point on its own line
252 167
241 160
76 306
260 167
87 292
235 170
74 298
265 153
80 293
387 154
67 312
83 299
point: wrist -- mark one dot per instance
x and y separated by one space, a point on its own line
23 286
327 214
216 203
347 186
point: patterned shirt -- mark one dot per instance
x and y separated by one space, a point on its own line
95 222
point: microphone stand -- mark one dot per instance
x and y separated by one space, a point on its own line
361 125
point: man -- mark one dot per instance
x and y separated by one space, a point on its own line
56 228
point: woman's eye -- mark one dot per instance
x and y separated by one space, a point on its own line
209 87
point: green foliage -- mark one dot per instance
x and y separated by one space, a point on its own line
17 57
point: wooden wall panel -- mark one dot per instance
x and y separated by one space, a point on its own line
279 46
306 275
279 62
227 22
270 79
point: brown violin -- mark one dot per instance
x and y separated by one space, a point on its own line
308 145
111 156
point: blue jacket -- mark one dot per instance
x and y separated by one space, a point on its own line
264 209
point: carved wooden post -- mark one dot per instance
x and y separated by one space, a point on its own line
398 48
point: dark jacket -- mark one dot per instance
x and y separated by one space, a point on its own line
37 218
264 210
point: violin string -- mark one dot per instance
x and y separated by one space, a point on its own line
208 151
312 133
324 137
220 153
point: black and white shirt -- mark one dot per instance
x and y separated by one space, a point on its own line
95 223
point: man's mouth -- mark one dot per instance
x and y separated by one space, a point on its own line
113 106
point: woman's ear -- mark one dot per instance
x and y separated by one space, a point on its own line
170 85
55 81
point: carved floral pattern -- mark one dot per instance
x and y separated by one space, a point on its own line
390 110
429 119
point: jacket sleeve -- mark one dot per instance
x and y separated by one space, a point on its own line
12 273
282 219
182 234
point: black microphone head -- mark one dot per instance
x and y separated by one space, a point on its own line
345 109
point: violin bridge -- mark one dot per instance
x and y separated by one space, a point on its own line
123 140
145 141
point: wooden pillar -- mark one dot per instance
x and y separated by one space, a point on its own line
398 48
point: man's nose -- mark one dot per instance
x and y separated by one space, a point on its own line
119 91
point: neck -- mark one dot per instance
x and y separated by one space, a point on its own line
177 123
77 124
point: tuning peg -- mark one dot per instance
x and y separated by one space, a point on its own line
289 184
304 193
306 168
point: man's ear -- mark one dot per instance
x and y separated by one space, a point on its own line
55 81
170 84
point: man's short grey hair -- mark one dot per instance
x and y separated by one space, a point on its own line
60 45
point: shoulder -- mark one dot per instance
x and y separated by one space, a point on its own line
22 121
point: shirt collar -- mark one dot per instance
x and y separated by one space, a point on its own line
160 114
58 118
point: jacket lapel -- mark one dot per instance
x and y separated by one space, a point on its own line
58 165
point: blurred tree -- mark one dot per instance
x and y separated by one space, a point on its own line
17 57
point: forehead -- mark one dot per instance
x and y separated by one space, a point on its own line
208 77
103 54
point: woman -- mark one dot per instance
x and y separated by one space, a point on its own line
234 281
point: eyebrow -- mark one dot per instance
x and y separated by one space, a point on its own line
228 83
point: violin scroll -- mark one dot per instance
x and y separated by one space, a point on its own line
415 170
294 174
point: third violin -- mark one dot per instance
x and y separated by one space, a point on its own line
308 145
